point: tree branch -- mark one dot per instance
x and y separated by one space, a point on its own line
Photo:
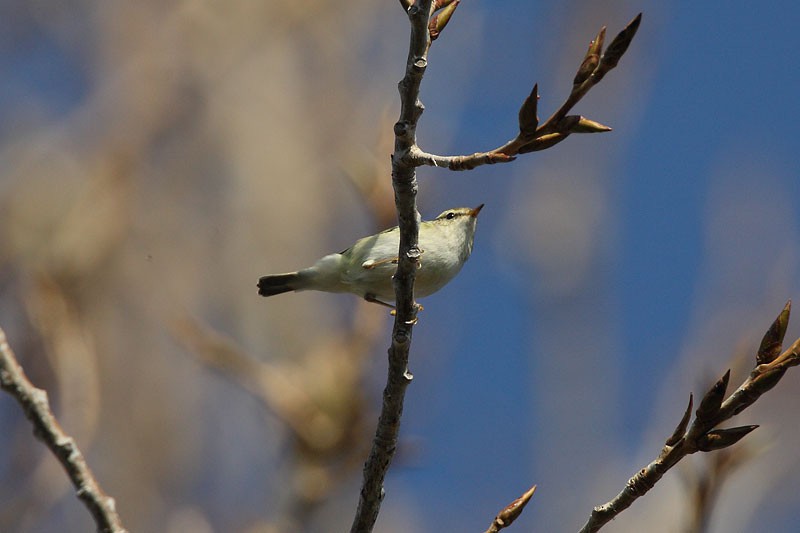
404 181
532 136
47 429
701 435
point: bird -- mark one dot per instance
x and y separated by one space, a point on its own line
366 269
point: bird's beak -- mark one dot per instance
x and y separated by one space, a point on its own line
474 212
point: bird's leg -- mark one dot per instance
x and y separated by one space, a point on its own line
371 298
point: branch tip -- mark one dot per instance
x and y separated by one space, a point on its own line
618 47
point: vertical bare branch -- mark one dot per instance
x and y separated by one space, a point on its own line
46 428
404 181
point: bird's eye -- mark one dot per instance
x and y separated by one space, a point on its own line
450 216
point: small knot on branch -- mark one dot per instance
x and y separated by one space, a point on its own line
401 336
414 253
641 483
401 128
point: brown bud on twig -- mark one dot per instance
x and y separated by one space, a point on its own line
768 379
718 439
591 59
511 512
543 142
584 125
790 357
617 47
440 20
680 431
711 402
528 116
567 123
772 343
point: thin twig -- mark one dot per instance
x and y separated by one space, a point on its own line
701 435
404 181
47 429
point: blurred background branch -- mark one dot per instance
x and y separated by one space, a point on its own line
36 406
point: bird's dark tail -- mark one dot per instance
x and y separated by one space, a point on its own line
277 284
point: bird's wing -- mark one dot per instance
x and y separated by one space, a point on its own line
366 242
371 259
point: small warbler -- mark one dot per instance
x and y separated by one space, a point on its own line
366 268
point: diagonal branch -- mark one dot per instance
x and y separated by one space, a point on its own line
701 435
534 137
404 180
47 429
